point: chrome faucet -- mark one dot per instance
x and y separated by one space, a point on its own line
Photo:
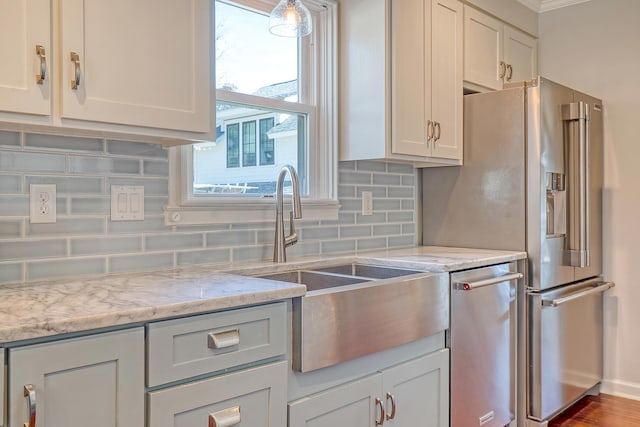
281 241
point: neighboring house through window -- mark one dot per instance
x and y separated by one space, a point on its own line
275 101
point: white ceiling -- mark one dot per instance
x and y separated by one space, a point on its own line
546 5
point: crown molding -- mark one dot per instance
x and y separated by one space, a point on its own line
547 5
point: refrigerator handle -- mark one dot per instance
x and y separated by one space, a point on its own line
578 234
600 287
469 286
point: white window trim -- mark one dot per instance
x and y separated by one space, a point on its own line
322 202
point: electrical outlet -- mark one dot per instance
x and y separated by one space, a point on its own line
42 203
367 203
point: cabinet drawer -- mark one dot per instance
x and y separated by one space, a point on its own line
255 397
184 348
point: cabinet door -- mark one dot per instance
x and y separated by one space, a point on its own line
446 84
352 404
25 24
144 63
254 397
483 49
411 76
521 52
417 392
96 380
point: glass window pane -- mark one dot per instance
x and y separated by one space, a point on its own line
266 143
249 143
251 60
283 131
233 145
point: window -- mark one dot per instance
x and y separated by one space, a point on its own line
275 101
266 142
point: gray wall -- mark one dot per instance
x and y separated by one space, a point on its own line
594 47
84 242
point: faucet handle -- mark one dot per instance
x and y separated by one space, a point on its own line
292 238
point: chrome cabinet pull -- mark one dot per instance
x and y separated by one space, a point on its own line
600 287
40 51
75 58
577 163
509 72
390 397
437 133
224 339
503 69
30 394
469 286
429 130
380 421
226 418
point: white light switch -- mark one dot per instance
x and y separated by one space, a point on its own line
127 203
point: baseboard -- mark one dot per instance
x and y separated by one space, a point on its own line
621 389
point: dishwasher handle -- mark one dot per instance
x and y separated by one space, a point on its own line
601 287
469 286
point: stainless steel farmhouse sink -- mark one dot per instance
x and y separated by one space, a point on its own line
351 310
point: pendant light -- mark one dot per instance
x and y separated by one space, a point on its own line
290 18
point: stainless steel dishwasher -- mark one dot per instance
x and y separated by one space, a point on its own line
482 339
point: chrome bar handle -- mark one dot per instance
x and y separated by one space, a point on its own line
42 54
509 72
30 394
226 418
224 339
503 70
429 131
292 238
601 287
391 398
75 58
469 286
380 421
578 238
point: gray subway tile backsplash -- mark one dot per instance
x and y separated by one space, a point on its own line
65 143
10 273
84 241
31 162
9 138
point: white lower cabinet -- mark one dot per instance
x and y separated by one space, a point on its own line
95 381
414 393
254 397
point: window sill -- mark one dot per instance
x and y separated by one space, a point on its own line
227 213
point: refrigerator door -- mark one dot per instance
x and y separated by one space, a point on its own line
482 342
547 195
594 183
564 184
565 345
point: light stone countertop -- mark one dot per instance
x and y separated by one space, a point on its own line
65 306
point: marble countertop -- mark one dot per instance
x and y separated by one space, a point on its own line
64 306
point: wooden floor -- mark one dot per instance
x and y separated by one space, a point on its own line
600 411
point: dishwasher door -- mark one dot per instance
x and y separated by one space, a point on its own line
482 342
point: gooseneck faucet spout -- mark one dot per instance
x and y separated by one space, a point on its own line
281 241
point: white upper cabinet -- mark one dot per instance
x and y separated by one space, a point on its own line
521 53
496 53
143 63
427 78
25 46
109 66
401 80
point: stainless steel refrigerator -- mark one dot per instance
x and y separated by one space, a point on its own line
532 180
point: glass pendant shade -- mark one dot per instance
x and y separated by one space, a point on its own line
290 18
